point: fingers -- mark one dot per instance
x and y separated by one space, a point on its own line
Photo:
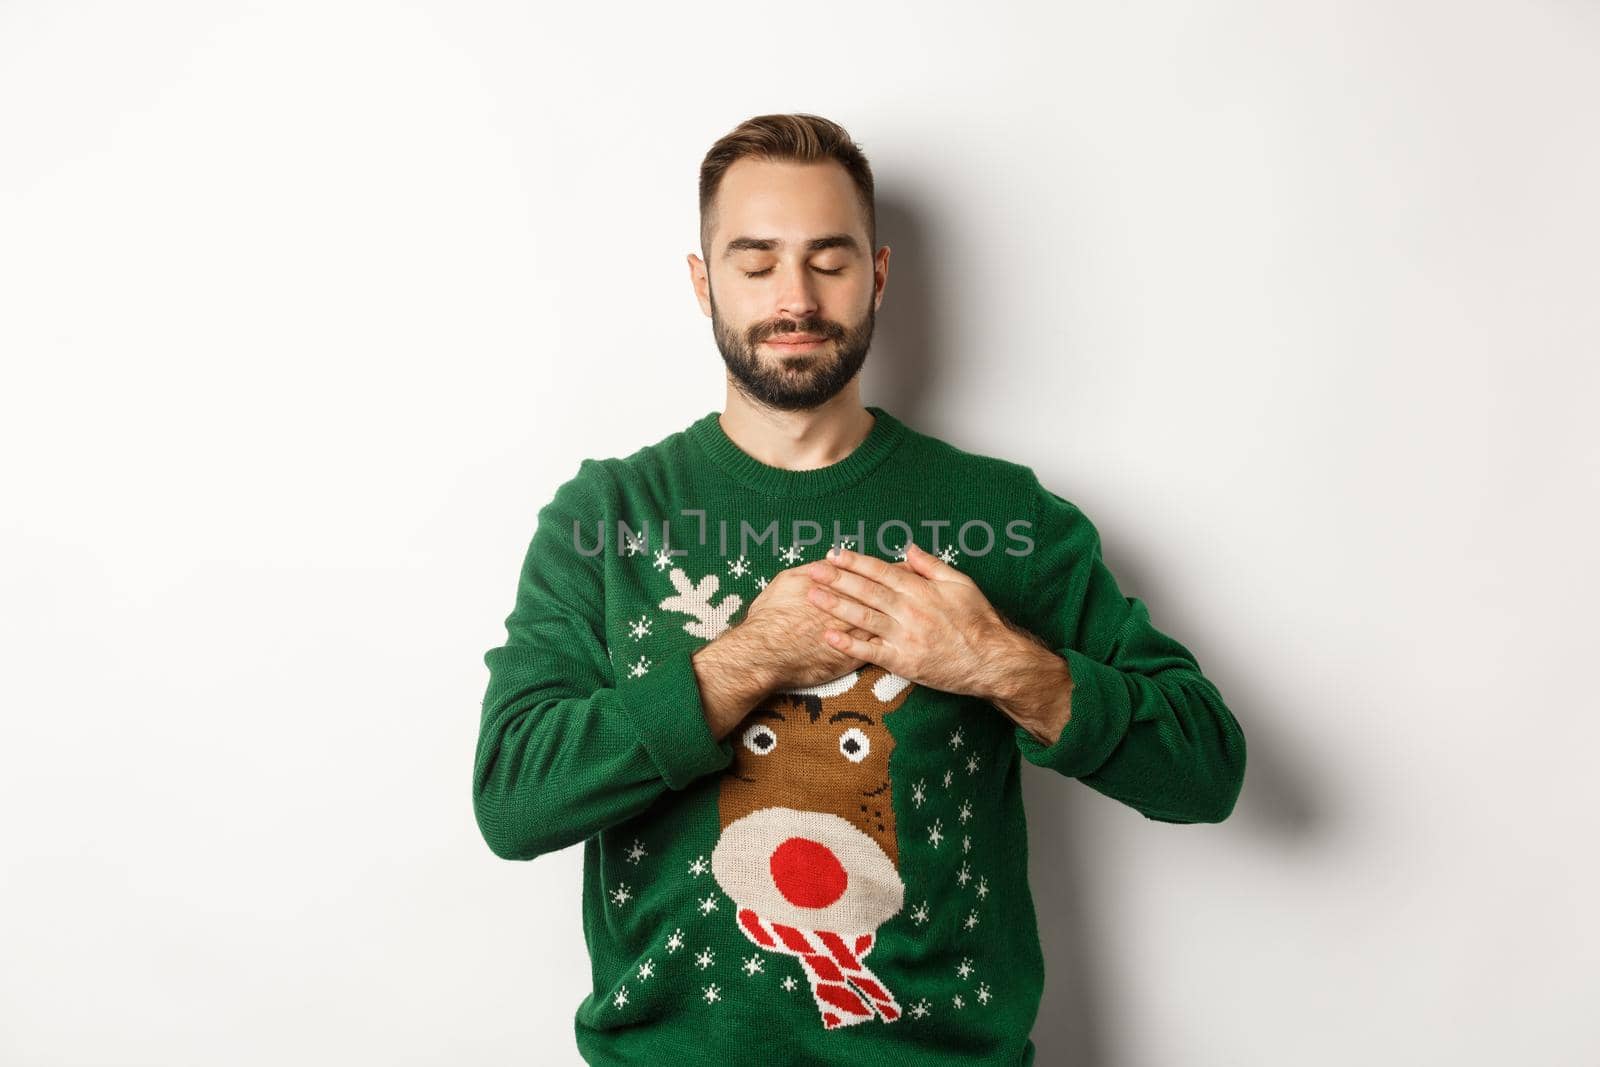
861 648
851 611
932 567
845 627
871 568
849 583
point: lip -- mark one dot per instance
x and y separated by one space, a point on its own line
798 341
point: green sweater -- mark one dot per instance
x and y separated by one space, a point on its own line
844 878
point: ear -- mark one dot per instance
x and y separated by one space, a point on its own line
880 276
701 283
886 689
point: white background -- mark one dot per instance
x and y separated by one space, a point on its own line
307 308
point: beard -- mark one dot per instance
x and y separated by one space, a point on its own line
802 380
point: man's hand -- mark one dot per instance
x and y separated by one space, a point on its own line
777 645
780 636
930 623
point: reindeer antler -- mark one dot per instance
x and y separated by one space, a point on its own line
888 690
694 598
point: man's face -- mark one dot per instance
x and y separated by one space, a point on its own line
792 285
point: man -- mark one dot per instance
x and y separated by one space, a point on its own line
803 831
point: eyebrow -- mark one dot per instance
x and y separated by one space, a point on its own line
767 244
869 720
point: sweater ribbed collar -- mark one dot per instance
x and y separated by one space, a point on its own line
887 432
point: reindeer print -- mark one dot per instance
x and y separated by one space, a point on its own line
807 850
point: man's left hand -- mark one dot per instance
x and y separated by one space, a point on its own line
929 622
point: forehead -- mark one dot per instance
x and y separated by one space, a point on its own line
791 202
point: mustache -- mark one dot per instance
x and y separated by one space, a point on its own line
818 327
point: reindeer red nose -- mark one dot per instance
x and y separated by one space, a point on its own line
807 873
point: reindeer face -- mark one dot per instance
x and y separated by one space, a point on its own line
808 830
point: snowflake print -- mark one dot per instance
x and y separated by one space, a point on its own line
621 895
963 876
698 866
919 914
640 669
972 763
966 810
675 941
788 983
740 567
761 582
971 920
708 905
947 776
639 628
966 843
964 968
752 964
983 888
934 836
636 851
621 998
663 559
983 993
793 553
711 993
647 969
704 959
948 553
957 1001
917 794
919 1010
633 545
848 543
955 738
903 551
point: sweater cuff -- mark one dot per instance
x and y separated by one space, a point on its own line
1101 711
665 709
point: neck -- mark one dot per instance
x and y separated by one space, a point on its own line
798 440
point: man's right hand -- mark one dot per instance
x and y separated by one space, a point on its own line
777 645
781 638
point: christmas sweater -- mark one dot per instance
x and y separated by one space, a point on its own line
844 877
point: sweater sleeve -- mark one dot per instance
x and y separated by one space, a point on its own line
563 750
1146 727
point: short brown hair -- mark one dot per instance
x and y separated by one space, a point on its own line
797 138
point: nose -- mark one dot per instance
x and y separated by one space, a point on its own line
807 873
798 297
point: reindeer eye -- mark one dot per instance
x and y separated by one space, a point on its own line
760 739
854 744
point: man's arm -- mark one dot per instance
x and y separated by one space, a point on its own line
1099 694
563 751
730 684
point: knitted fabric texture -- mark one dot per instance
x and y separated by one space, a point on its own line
734 887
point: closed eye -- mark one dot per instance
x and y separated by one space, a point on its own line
819 270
